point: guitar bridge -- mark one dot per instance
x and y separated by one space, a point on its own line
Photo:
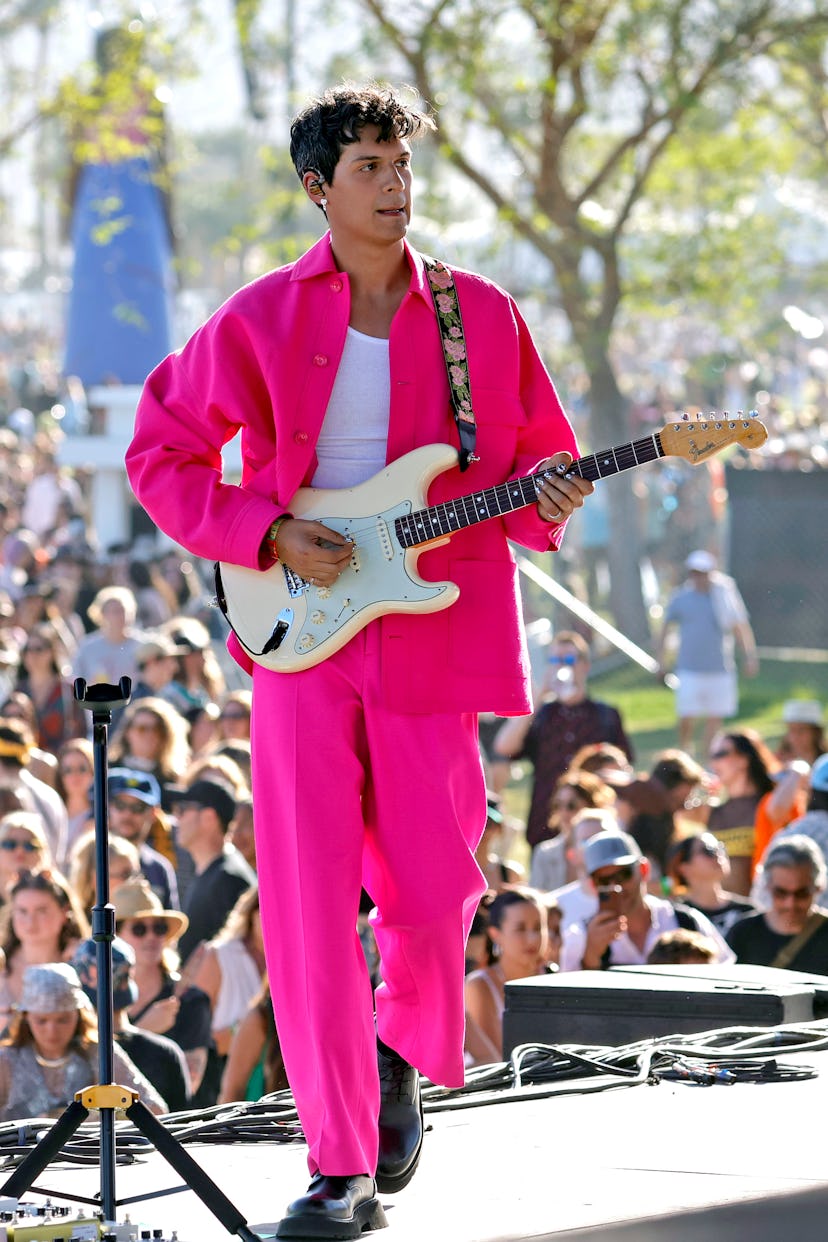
296 586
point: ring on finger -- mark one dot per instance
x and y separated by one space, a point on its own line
555 517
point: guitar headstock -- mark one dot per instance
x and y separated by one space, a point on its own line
696 439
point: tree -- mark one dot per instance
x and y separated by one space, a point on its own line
590 114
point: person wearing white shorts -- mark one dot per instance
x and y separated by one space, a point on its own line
711 617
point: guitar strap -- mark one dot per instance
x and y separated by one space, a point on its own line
447 306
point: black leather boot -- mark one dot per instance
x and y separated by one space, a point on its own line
400 1121
334 1207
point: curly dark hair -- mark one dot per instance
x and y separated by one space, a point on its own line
329 123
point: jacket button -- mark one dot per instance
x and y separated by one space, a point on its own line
300 437
336 285
320 360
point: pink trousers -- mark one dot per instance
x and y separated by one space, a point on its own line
346 794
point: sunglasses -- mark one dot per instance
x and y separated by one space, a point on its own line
798 894
621 876
722 754
563 659
234 716
129 806
154 927
12 843
566 805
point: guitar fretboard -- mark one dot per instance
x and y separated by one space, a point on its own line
451 515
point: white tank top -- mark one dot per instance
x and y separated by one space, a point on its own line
354 437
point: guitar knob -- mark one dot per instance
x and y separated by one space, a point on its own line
305 642
317 617
323 592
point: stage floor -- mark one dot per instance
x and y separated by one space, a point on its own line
672 1161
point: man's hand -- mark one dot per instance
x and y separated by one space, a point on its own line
313 551
605 927
560 495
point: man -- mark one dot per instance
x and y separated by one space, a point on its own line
205 811
629 920
366 766
158 1058
710 613
134 798
565 720
793 933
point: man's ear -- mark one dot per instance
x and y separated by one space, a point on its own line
314 185
645 868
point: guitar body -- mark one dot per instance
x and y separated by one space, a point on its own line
287 625
311 623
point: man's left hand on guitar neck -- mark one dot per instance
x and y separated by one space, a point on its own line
561 494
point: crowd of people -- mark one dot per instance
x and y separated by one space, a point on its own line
188 960
718 860
713 860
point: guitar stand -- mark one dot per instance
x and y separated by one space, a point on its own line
107 1097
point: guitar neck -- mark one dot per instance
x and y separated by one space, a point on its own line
435 521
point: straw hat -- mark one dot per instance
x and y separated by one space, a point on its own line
136 900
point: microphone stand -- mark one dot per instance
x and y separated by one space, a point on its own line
107 1096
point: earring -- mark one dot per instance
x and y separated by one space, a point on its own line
323 202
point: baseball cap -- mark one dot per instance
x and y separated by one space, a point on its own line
124 987
819 774
610 849
802 711
214 794
140 785
700 561
156 648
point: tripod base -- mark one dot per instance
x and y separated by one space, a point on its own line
48 1148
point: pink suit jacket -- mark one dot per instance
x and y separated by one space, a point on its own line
264 364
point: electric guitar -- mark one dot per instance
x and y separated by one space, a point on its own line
287 624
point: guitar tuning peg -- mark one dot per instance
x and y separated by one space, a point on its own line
685 418
754 413
725 414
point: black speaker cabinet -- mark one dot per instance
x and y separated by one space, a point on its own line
742 973
615 1007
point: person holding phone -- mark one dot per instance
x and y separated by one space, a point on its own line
629 920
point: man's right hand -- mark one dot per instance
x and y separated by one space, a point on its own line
605 927
313 551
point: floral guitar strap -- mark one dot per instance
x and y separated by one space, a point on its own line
447 306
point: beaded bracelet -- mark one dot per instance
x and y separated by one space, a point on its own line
270 537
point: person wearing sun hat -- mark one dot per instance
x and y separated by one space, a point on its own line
165 1004
159 1058
804 736
710 614
51 1050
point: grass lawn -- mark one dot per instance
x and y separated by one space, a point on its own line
648 710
